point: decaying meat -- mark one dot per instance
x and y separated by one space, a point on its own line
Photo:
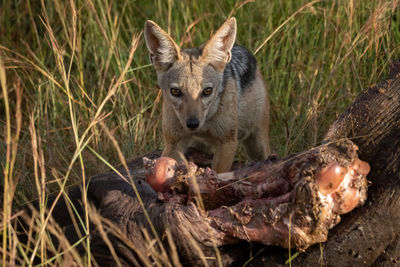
290 202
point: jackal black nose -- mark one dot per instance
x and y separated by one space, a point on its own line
192 123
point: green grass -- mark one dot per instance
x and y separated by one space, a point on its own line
65 63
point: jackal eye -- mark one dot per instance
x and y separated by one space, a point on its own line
176 92
207 91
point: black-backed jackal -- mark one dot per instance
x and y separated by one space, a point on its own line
212 94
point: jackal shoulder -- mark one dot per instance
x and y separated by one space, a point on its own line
242 67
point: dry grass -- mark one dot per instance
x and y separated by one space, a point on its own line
77 90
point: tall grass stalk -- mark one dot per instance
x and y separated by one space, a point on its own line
6 195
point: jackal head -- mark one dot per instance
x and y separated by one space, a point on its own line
191 79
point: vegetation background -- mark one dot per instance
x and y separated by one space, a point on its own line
78 91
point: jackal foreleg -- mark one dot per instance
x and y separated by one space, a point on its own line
224 155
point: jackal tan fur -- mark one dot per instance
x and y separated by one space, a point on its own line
213 94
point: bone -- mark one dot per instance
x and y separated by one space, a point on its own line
329 178
160 172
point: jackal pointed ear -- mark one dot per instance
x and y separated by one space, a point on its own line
163 50
217 50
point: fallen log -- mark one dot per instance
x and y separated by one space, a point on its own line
209 234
